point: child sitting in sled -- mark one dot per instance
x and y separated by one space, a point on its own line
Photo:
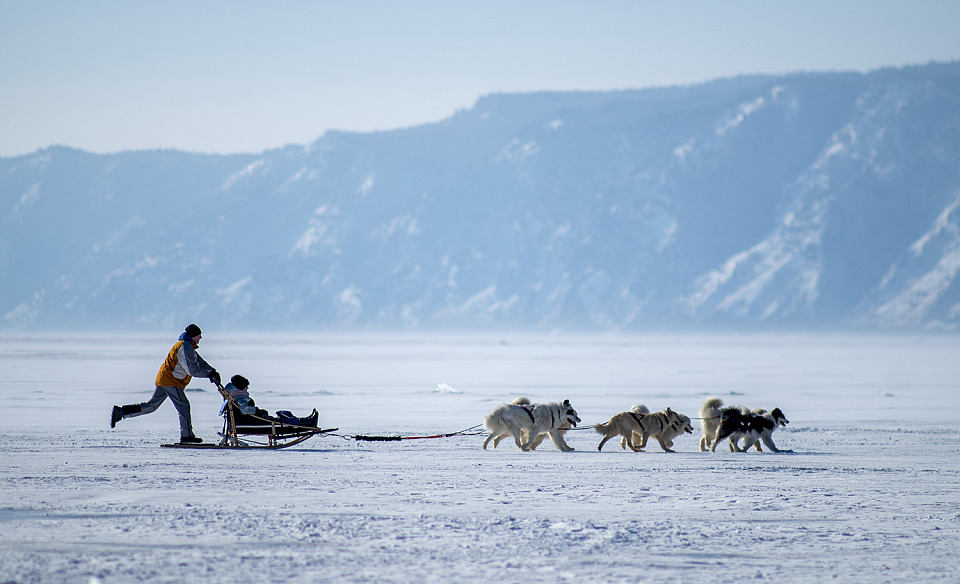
237 388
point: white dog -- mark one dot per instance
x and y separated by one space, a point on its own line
522 401
710 413
526 422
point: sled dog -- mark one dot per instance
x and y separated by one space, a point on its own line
733 423
666 426
761 427
526 422
522 401
623 424
638 425
710 421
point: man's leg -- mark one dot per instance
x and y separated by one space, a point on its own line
179 399
134 410
149 406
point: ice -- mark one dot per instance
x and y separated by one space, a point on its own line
870 493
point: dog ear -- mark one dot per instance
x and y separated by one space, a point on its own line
566 402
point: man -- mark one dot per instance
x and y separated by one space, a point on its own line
181 365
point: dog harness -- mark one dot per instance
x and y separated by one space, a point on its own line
529 410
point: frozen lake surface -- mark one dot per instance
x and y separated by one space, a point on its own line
870 493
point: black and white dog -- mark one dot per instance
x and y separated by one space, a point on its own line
734 423
754 427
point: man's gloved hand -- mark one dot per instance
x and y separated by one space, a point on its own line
214 377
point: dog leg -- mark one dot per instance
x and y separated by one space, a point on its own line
643 441
630 441
709 438
768 440
487 441
563 441
633 441
663 444
518 438
503 436
718 440
530 442
604 441
537 440
733 444
559 442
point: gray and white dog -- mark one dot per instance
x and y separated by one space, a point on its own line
526 422
523 401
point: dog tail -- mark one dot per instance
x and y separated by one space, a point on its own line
489 421
711 408
602 427
494 420
640 409
521 401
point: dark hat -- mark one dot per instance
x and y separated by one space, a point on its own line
240 382
193 330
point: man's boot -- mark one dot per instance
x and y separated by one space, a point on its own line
120 413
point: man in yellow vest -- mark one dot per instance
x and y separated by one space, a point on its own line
181 365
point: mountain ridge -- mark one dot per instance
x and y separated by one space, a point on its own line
808 200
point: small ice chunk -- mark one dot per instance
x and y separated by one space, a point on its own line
444 388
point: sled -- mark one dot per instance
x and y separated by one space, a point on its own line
248 430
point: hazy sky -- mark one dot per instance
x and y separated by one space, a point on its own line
244 76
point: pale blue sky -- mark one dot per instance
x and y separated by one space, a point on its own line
244 76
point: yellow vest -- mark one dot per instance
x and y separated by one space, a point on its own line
171 369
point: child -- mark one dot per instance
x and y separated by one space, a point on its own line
237 388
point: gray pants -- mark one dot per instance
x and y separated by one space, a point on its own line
179 399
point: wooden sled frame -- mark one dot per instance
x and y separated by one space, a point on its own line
279 436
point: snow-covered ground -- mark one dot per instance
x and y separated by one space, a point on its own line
871 492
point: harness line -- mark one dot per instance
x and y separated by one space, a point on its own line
471 431
364 438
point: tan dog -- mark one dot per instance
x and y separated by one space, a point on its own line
666 426
637 426
624 424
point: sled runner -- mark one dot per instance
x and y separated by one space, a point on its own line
242 430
